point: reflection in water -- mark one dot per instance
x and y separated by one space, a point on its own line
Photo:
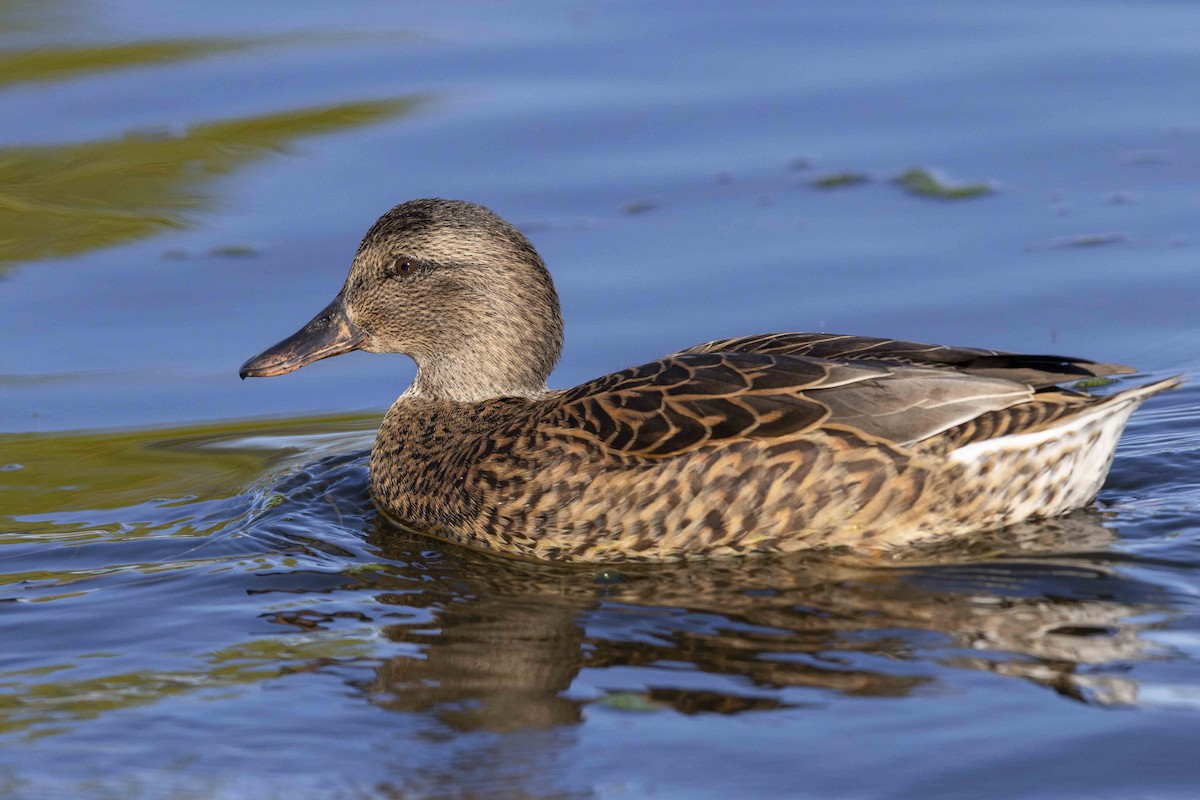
486 644
65 199
60 200
70 61
507 640
64 472
500 662
495 663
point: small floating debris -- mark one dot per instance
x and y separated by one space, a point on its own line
638 207
631 701
220 251
1090 240
839 180
924 183
799 163
1093 383
1081 240
235 251
1141 158
608 575
274 500
361 569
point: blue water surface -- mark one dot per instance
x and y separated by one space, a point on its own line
196 597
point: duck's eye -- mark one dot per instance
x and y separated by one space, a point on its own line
402 267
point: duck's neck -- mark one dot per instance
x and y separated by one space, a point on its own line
475 380
501 337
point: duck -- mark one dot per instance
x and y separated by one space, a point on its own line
770 443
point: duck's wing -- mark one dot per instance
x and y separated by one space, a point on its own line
1036 370
684 402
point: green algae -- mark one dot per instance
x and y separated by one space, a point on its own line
925 183
631 701
1093 383
839 180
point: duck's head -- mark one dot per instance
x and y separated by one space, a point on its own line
453 286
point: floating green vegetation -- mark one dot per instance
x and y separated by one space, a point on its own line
631 701
1093 383
65 199
365 568
838 180
58 63
923 183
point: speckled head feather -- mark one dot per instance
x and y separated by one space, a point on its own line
463 293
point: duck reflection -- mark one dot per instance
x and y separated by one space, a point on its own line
492 663
506 642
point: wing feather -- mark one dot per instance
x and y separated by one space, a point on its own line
1036 370
688 401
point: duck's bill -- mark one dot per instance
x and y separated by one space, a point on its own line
330 333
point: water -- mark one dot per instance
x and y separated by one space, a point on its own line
197 599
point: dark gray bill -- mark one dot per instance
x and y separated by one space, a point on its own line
330 333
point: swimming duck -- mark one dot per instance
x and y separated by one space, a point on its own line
771 443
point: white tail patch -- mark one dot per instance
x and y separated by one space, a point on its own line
1052 471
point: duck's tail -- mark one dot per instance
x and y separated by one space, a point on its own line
1056 468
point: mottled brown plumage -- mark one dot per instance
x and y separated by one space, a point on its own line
769 443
